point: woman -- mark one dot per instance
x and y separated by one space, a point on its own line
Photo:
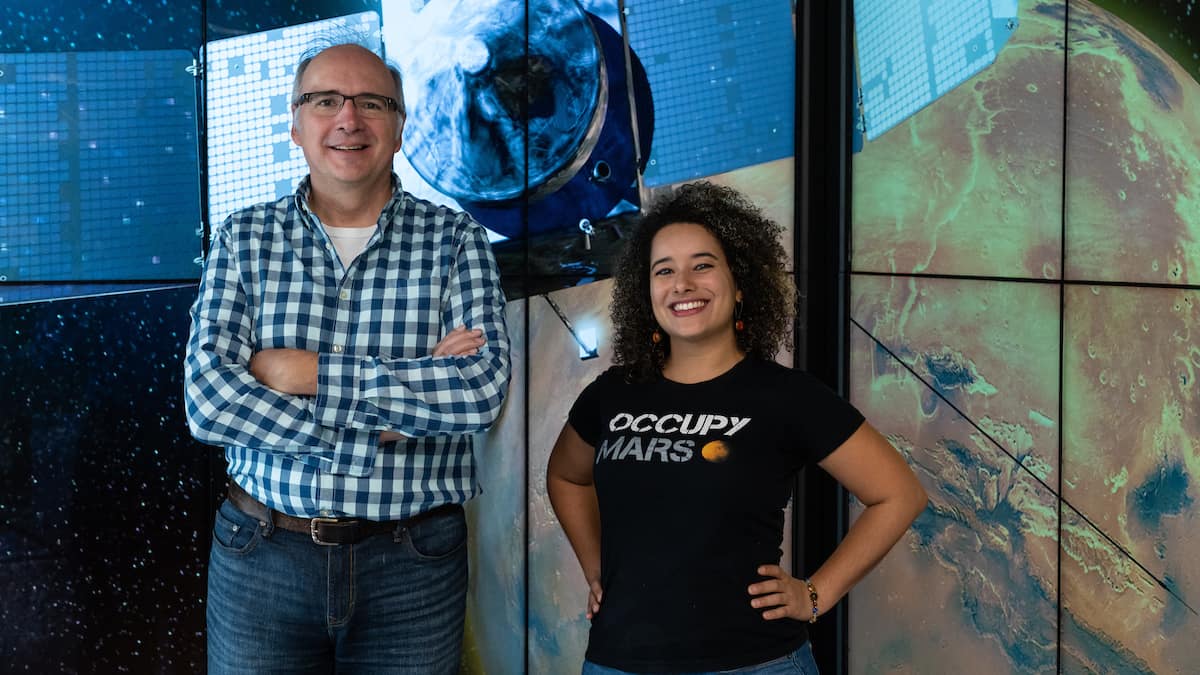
673 470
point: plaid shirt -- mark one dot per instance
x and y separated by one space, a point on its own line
273 279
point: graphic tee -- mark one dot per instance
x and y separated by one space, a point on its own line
692 480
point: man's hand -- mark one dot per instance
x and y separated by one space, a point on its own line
460 342
291 371
785 594
294 371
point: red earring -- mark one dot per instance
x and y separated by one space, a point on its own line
656 337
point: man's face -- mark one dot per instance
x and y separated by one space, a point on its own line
347 151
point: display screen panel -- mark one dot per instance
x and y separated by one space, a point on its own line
972 586
104 497
722 74
932 369
251 156
497 523
1133 180
98 167
971 184
1123 182
558 631
1129 385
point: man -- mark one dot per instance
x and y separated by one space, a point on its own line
346 341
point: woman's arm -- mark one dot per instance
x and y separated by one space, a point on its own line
573 497
874 472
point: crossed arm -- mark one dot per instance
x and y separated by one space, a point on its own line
294 371
341 406
865 464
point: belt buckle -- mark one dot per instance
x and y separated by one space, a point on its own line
312 529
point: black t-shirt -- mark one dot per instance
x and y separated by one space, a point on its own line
692 481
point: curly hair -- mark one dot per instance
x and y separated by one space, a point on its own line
757 260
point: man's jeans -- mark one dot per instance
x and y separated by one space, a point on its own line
279 603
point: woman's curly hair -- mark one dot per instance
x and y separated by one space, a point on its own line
750 241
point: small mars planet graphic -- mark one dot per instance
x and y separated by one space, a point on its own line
715 451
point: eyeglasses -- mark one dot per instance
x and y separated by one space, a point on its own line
329 103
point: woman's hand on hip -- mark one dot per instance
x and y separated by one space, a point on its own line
595 594
786 595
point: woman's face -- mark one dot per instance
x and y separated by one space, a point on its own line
692 290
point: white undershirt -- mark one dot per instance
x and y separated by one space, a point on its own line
349 241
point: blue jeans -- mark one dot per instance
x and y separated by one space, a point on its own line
799 662
279 603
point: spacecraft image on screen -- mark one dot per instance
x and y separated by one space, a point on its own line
520 112
492 123
545 120
251 156
897 77
617 100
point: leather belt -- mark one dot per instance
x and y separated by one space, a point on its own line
328 531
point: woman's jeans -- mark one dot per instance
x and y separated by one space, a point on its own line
799 662
280 603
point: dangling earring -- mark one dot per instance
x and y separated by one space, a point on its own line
656 337
738 324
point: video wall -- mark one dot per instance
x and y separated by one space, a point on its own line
1026 202
1022 298
134 128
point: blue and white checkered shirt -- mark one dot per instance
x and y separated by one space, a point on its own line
274 280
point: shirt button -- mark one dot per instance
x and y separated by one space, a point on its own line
337 349
345 294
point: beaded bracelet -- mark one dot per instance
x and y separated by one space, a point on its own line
812 595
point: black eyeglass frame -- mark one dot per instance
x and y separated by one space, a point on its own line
392 104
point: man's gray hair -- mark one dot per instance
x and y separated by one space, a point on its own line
321 44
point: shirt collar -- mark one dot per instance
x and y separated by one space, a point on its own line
304 189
